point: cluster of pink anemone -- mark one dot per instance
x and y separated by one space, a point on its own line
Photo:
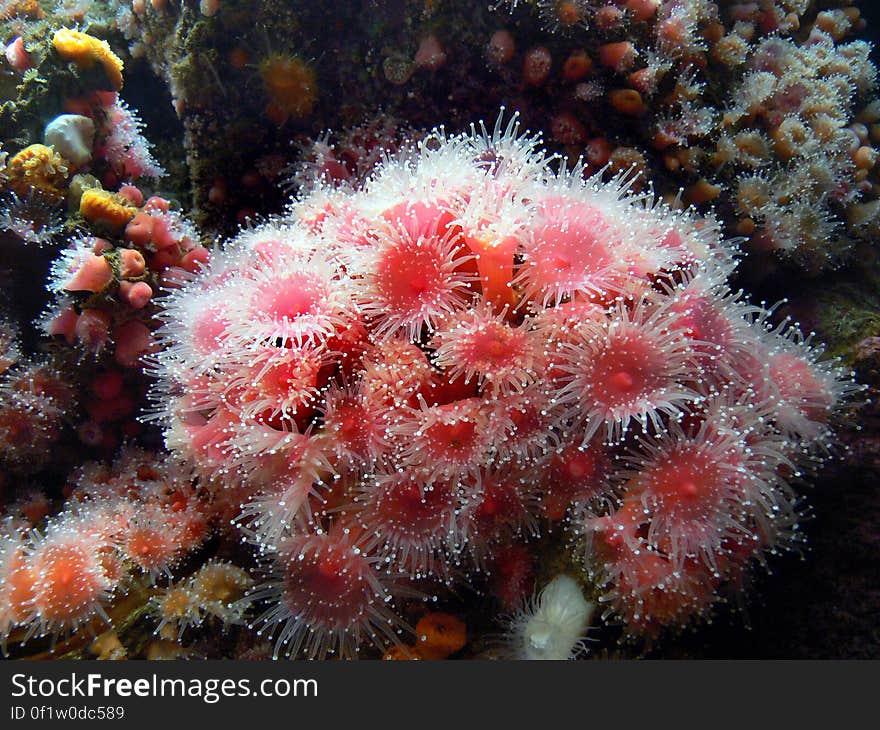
398 381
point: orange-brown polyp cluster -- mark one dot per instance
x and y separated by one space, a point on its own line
214 591
407 382
766 110
138 516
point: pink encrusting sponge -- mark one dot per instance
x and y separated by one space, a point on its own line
412 377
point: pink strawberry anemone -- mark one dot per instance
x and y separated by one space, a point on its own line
413 378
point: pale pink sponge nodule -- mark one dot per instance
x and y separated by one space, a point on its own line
409 378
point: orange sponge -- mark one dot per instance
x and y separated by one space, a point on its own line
87 51
106 209
40 169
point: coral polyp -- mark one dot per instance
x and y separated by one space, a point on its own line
329 598
413 278
31 218
291 85
565 15
479 345
626 368
552 625
71 580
